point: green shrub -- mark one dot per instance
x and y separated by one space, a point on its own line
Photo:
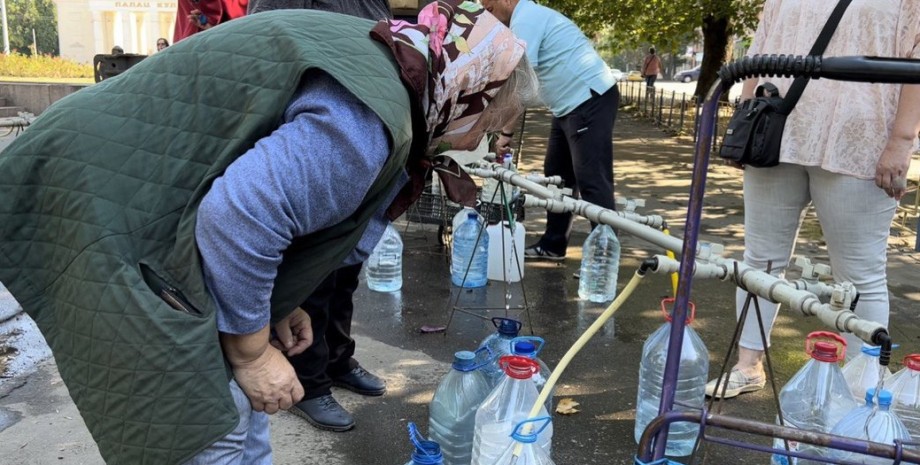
16 65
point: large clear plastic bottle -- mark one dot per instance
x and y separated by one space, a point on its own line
469 264
691 383
863 371
383 269
508 404
600 265
530 454
871 422
452 413
499 344
817 397
530 347
461 216
426 452
905 387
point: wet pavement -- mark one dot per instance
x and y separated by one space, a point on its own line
42 426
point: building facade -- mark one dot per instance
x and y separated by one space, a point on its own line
90 27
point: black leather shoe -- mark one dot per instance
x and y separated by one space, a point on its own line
324 413
361 381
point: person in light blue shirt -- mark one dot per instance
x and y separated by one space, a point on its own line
581 92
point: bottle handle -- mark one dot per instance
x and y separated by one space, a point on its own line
497 322
416 438
691 315
538 342
489 358
540 423
826 336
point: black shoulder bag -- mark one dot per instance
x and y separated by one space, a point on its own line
755 131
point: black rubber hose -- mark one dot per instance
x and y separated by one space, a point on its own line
771 65
881 338
646 265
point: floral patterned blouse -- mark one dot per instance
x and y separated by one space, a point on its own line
842 127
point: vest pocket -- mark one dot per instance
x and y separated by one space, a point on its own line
168 293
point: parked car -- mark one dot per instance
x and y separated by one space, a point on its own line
688 75
618 75
634 76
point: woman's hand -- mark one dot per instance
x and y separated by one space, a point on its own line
503 144
891 169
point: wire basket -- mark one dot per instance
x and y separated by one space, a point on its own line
435 208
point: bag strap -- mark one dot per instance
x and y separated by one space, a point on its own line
798 86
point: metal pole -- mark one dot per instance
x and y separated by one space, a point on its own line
6 28
679 313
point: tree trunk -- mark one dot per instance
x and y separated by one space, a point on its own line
717 34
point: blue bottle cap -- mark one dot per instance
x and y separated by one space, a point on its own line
427 453
524 348
872 351
472 215
508 327
464 360
885 397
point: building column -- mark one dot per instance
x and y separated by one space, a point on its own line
98 33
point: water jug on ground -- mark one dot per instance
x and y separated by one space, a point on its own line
530 347
870 422
506 251
499 344
817 397
905 389
469 264
691 382
600 264
508 404
526 434
383 269
452 412
864 371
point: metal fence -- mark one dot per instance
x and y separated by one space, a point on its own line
675 112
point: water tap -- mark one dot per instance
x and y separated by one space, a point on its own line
842 296
630 205
812 272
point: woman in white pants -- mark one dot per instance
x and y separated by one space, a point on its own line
846 148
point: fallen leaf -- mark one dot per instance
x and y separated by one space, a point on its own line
566 406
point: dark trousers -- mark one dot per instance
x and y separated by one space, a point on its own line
580 149
330 308
650 80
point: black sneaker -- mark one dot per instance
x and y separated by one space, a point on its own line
537 252
362 382
324 413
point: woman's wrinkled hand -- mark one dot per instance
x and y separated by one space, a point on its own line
891 169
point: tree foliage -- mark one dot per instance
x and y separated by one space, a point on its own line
25 15
667 24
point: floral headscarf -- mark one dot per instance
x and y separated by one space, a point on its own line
453 62
455 59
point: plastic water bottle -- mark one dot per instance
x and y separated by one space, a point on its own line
600 264
426 452
461 216
905 387
383 269
817 397
452 413
529 455
863 371
499 344
530 347
871 422
470 252
506 406
691 383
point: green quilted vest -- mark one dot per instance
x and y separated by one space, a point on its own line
97 212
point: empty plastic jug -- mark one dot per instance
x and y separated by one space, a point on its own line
691 382
817 397
506 251
506 406
469 264
426 452
452 413
871 422
863 371
383 269
529 454
905 388
600 265
499 344
530 347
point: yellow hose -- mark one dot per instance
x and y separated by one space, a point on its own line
672 256
567 358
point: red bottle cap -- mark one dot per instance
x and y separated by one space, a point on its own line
518 367
912 362
825 346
